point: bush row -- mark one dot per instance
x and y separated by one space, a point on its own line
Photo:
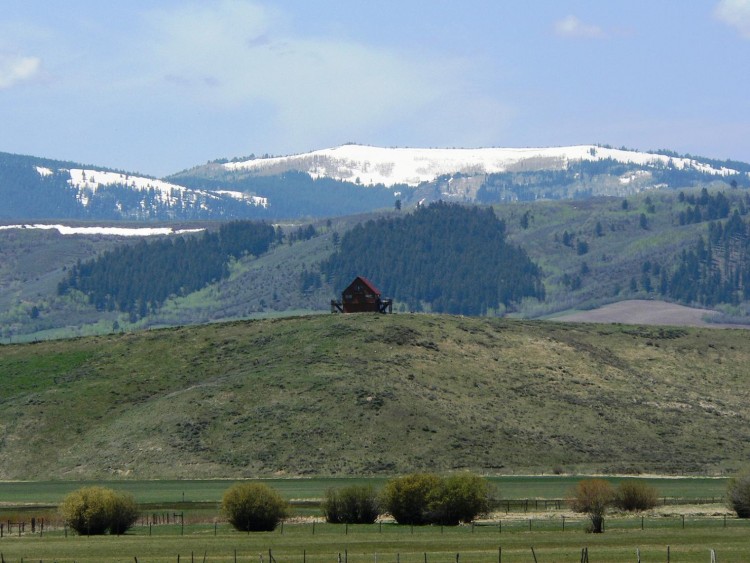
415 499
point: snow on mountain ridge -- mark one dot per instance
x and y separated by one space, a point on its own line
89 181
389 166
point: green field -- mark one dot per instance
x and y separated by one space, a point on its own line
170 492
555 533
391 543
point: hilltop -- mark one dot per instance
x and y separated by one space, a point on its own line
372 394
394 166
586 253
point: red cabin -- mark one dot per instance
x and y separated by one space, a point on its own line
361 296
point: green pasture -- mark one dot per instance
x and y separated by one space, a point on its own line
173 492
390 543
161 535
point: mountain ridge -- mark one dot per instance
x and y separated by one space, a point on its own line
345 180
413 166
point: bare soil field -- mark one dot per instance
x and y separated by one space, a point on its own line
647 312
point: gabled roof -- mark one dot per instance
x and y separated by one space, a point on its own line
367 283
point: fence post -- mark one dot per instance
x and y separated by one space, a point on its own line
638 554
534 554
563 519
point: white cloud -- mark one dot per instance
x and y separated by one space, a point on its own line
571 26
15 69
735 13
239 56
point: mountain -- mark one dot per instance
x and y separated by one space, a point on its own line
485 175
34 188
376 394
345 180
413 166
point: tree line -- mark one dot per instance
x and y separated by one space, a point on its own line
449 258
137 279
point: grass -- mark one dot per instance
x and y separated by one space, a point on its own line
171 492
512 536
388 543
365 395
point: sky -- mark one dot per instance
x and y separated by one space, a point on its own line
158 86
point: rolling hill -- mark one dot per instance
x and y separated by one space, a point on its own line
374 394
588 252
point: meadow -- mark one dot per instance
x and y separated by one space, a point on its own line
181 521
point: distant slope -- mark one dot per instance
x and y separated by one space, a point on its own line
643 312
443 258
33 188
372 394
413 166
345 180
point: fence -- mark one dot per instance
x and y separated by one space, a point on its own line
174 523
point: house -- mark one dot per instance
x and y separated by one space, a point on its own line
361 296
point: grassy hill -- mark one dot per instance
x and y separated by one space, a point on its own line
366 394
591 252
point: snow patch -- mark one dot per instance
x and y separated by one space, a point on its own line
254 199
43 171
89 181
389 166
109 231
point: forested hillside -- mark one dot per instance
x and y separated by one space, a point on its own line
296 194
448 258
137 278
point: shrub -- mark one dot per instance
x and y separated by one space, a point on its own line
123 513
253 507
425 498
635 495
357 504
738 494
407 498
460 498
96 510
593 496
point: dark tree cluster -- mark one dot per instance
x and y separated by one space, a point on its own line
717 269
455 259
705 207
138 278
296 194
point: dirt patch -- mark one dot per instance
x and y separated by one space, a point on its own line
645 312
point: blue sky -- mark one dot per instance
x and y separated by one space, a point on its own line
159 86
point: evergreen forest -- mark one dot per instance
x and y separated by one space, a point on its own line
138 278
444 257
